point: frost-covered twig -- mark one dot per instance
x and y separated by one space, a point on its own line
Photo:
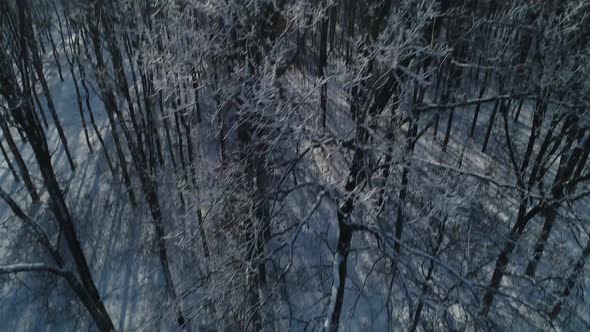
38 232
429 107
390 240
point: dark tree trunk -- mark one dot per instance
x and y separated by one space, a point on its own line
323 59
522 219
486 139
333 20
39 107
195 86
449 128
74 79
22 166
570 282
111 107
344 239
191 165
565 171
121 79
55 54
482 91
91 116
504 257
25 117
7 159
38 66
426 287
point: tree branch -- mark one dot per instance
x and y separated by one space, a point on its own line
37 230
34 267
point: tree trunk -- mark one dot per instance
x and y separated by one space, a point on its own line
333 20
449 128
121 79
74 79
490 126
343 245
25 118
504 256
22 166
522 219
570 283
482 91
322 67
38 66
6 158
111 107
91 116
565 171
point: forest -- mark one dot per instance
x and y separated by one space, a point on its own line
294 165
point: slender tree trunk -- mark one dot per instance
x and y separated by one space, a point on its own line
350 28
322 67
482 91
581 165
168 139
504 257
111 108
222 148
75 80
22 166
426 287
121 79
542 155
7 159
91 116
152 199
449 128
565 171
438 87
403 192
25 117
39 107
180 144
343 245
195 86
128 50
191 165
570 282
55 55
518 109
333 20
149 188
522 219
38 66
145 168
490 127
167 135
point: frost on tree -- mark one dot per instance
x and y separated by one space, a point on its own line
294 165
